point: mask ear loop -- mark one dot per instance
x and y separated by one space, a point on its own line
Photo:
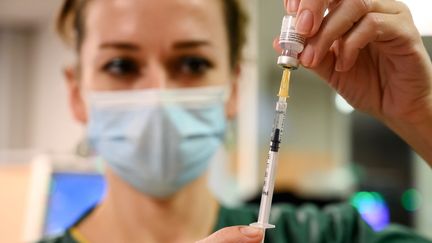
230 139
230 145
230 134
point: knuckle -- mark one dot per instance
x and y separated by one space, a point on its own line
375 21
363 5
349 44
402 6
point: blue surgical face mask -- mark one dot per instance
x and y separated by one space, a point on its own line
157 140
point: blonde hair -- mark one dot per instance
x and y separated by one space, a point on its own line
71 18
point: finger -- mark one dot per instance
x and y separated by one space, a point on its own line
326 69
276 45
291 5
333 4
235 234
374 27
310 15
340 21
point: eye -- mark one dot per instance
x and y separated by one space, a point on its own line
122 67
194 65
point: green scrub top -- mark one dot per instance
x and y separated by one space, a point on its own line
308 224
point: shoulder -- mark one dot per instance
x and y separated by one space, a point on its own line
68 236
333 223
289 211
308 223
230 216
289 214
336 219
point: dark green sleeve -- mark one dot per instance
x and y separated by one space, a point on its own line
65 238
51 240
334 224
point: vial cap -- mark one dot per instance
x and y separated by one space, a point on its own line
288 62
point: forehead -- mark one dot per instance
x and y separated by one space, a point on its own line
160 21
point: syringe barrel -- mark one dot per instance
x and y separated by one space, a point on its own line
267 192
292 44
271 165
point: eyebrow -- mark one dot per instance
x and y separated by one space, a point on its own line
133 47
120 45
191 44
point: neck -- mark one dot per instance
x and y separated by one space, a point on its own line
131 216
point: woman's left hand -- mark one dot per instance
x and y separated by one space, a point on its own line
235 234
371 53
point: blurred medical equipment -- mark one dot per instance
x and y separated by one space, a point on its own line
62 189
292 44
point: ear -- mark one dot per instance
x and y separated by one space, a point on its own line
232 102
76 102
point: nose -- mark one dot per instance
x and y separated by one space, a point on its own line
154 76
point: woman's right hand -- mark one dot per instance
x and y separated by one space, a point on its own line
235 234
371 53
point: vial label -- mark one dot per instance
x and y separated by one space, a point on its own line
294 37
288 34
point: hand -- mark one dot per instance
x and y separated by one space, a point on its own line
370 52
235 234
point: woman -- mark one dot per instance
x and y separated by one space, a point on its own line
151 84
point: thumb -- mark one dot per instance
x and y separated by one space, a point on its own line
235 234
326 68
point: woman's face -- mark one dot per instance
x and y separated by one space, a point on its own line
141 44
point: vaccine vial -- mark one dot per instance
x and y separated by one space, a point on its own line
292 44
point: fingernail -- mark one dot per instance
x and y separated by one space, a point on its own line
293 6
305 22
250 232
307 56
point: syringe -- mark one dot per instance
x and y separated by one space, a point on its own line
292 45
276 136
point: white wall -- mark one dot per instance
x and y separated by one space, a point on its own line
14 87
52 126
5 76
247 148
33 104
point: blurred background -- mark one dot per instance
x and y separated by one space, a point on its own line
330 153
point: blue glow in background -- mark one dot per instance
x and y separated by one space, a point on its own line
70 196
372 208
